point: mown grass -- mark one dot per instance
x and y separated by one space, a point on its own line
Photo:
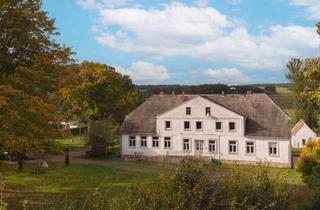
52 189
73 142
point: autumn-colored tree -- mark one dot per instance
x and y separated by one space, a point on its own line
101 94
305 77
31 63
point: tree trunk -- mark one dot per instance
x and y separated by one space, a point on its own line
98 146
20 162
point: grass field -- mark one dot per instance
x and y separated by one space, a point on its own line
285 100
73 142
58 184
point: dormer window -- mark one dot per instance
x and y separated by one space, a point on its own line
232 126
167 125
208 111
188 110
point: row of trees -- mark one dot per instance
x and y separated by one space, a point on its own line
41 84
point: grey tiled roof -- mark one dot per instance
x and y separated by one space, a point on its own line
263 117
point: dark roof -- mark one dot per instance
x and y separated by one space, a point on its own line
263 117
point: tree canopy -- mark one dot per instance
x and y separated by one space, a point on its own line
31 63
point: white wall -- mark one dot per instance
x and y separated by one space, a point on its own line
178 115
304 133
222 148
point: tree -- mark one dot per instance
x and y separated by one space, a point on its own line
305 77
31 63
101 94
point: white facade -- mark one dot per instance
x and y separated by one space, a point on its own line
302 135
227 144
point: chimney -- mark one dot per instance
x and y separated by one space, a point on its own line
161 93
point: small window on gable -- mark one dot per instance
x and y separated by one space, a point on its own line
303 142
198 125
208 111
186 125
232 126
167 125
188 110
218 126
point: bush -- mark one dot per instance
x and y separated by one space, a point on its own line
195 187
309 163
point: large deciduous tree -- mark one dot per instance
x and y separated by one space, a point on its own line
101 96
305 77
31 63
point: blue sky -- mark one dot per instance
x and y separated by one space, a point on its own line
190 41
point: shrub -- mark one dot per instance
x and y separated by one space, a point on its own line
309 163
194 187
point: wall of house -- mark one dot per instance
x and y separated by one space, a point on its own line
261 148
178 115
304 133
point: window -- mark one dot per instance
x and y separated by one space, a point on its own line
199 125
167 142
186 125
155 141
188 110
186 144
132 141
250 147
233 147
273 149
232 126
218 126
143 141
212 146
303 142
167 125
208 111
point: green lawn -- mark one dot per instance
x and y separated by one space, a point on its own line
73 142
76 182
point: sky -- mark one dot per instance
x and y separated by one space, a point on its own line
190 41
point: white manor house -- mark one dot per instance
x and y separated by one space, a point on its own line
235 128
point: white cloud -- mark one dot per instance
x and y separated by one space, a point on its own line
312 7
145 73
100 4
177 29
228 75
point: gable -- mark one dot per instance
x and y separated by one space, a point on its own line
305 130
198 105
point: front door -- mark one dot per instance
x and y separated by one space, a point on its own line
198 146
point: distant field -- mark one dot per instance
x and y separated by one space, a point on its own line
285 100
